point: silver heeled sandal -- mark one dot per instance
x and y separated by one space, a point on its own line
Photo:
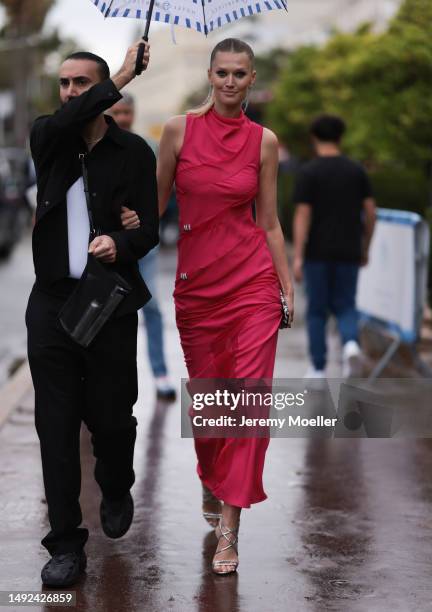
212 518
231 536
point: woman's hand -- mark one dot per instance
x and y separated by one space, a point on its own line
129 218
288 293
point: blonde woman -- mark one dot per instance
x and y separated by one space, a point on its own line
230 270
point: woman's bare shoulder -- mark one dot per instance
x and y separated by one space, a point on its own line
173 133
269 146
269 138
176 124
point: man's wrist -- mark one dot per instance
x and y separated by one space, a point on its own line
121 79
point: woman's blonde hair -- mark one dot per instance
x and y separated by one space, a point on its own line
230 45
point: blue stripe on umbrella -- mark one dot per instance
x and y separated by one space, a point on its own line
96 2
198 26
157 16
126 13
103 7
167 18
243 14
228 18
250 9
235 15
188 23
277 4
176 20
219 21
138 14
115 13
269 6
258 8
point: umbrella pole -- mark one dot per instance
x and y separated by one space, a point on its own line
141 48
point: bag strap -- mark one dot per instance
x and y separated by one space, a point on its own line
93 231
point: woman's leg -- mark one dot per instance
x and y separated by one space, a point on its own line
227 533
232 468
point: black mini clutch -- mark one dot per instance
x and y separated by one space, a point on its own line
285 313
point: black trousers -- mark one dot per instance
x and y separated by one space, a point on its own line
97 385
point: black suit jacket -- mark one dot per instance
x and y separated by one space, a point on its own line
122 171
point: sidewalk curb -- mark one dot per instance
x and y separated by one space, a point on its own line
13 391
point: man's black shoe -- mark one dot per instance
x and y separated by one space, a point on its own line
164 389
64 569
116 516
166 395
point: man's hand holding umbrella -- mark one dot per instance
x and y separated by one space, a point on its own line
127 71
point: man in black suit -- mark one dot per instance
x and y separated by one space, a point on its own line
98 384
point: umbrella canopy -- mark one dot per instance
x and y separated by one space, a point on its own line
201 15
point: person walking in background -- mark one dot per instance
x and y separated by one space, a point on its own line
124 114
230 270
97 384
333 226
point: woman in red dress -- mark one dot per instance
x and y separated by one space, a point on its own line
230 270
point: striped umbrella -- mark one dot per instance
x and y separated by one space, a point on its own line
201 15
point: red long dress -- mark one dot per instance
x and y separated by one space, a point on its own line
226 291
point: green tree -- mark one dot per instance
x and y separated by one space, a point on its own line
380 83
24 48
26 16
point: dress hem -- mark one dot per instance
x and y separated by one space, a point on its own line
231 500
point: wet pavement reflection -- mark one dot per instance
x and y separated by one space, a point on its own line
347 526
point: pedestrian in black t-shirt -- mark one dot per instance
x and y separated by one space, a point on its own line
333 226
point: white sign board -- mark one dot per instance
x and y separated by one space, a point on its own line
388 289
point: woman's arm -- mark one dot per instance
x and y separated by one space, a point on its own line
142 198
169 149
267 218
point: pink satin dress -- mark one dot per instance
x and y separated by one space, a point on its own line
226 291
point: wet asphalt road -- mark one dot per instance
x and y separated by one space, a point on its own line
347 525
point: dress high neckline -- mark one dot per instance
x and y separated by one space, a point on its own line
229 120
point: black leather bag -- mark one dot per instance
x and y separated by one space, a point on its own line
97 294
93 301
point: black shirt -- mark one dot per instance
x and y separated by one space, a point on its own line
335 187
121 171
